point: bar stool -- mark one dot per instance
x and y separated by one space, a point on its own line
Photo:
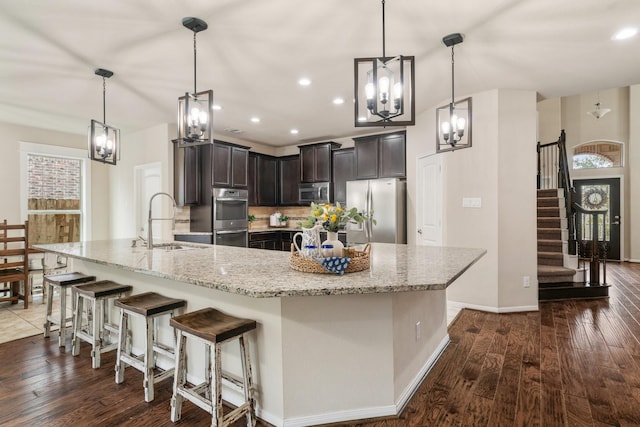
61 281
212 328
150 306
98 329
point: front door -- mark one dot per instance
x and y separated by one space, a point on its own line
597 195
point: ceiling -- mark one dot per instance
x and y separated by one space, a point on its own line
255 51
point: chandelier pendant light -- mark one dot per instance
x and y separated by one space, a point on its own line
195 109
598 112
104 140
384 88
454 120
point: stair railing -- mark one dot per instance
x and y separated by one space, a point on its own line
594 249
553 172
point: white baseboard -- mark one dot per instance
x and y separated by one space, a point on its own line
340 416
411 388
633 260
490 309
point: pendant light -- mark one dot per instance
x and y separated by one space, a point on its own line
453 121
195 109
598 112
104 140
384 88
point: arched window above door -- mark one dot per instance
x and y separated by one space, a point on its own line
597 154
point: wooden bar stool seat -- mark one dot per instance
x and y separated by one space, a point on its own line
149 306
212 328
97 330
62 282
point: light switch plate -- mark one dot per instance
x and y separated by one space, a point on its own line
471 202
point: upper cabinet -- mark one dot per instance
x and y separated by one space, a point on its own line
289 179
344 169
381 156
263 180
230 165
186 175
315 162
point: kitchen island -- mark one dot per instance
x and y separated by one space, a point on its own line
328 348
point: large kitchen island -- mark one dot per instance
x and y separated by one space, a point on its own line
328 348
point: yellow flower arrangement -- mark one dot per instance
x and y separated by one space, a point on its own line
333 217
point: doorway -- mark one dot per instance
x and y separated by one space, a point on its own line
598 195
429 201
147 183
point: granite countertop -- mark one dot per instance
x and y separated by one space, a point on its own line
262 274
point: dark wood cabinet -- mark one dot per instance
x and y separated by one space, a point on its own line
343 170
262 171
289 179
186 175
286 238
252 174
229 166
316 161
381 156
265 240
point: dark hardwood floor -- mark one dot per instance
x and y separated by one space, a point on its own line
573 363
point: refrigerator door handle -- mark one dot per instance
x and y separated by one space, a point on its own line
367 207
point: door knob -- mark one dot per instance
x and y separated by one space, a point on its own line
419 230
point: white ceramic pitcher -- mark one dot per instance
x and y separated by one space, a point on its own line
308 237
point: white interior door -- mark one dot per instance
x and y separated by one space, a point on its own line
147 183
429 201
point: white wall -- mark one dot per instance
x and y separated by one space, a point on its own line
500 168
634 174
11 136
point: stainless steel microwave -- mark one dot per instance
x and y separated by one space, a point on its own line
317 192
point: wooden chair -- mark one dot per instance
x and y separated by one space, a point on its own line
14 262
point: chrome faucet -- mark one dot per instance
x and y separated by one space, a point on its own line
151 219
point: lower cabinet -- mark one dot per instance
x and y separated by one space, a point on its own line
265 240
286 238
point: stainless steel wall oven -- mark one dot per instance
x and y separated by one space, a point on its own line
230 209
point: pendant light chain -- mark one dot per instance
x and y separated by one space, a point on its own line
452 81
104 100
195 51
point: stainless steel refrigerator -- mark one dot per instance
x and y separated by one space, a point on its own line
386 197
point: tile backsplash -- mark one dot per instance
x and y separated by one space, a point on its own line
262 213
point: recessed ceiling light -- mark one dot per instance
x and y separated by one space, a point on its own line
255 119
217 107
294 131
304 81
338 101
625 33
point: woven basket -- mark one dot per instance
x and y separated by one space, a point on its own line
359 262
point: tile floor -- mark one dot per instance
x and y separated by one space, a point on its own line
16 322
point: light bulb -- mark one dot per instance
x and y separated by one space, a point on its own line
203 117
109 145
454 122
383 83
446 128
100 141
397 90
369 90
461 123
194 114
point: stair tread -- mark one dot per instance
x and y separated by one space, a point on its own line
554 270
550 254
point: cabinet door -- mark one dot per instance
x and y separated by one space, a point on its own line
322 163
186 175
239 159
221 165
366 153
393 156
252 184
343 171
307 164
267 179
289 180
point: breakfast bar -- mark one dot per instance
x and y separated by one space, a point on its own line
328 348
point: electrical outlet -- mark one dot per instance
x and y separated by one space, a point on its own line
526 281
418 330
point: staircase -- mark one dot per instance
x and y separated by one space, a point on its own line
555 280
